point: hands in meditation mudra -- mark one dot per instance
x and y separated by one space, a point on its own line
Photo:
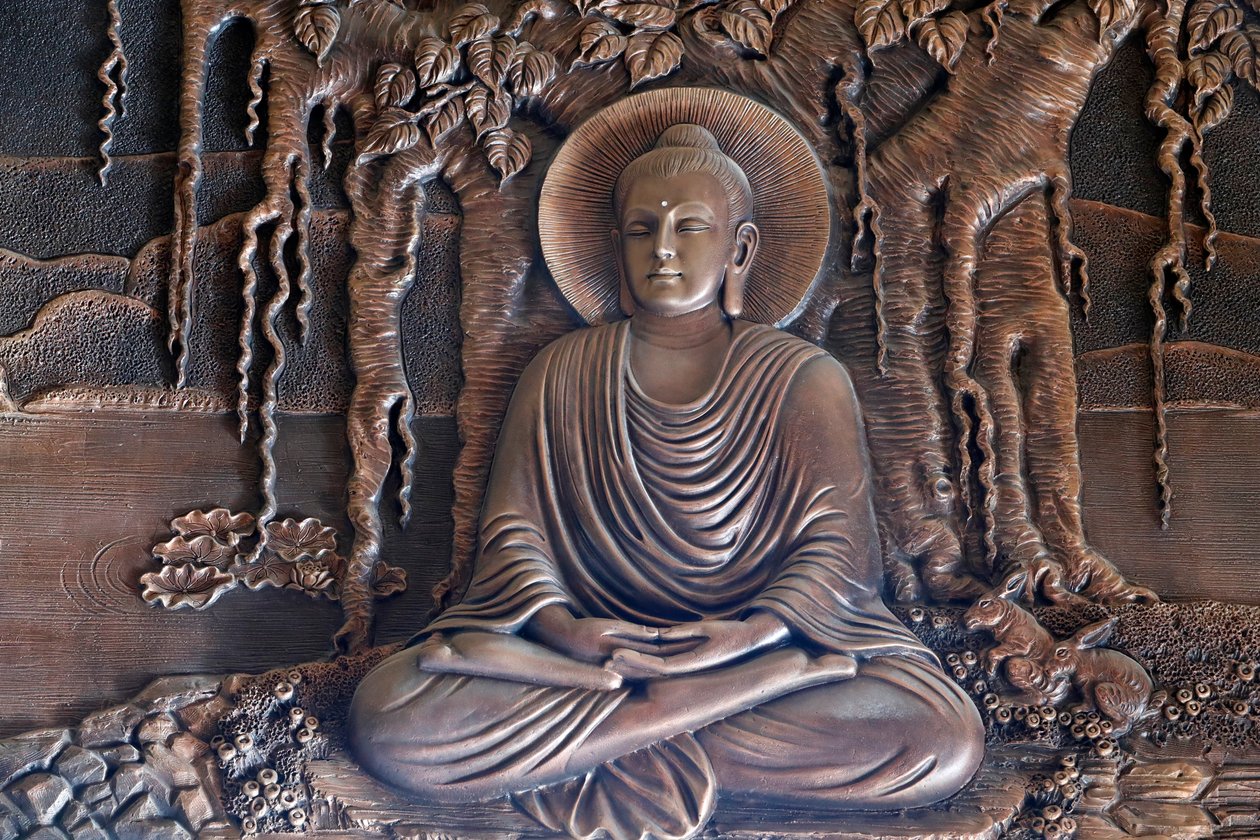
677 589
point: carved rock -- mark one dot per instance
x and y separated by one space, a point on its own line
34 750
81 767
110 727
1172 819
40 796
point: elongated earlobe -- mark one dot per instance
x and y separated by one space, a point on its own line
733 296
626 300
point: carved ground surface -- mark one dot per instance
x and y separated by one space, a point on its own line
193 756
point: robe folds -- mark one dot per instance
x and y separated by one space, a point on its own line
755 496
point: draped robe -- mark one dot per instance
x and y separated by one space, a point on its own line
755 496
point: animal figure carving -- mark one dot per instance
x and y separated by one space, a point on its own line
1023 645
1108 680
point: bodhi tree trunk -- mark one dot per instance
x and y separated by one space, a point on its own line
968 383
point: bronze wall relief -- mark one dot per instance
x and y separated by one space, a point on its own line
768 414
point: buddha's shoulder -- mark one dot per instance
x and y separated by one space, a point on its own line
573 347
816 370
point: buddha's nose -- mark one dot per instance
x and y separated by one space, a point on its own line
665 248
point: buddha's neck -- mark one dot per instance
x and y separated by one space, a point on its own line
680 332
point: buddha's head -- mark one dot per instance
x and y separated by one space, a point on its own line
684 236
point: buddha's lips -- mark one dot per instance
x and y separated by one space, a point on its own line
664 275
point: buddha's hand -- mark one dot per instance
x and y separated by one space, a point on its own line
712 644
589 639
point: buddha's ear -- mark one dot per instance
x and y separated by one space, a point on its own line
746 237
625 299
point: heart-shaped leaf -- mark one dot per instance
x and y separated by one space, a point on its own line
489 59
316 28
880 22
650 55
508 152
436 61
531 70
487 110
445 118
600 41
944 37
471 22
395 131
395 86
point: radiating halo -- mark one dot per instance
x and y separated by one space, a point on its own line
790 205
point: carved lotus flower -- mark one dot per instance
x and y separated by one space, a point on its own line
201 551
219 523
186 586
294 540
314 577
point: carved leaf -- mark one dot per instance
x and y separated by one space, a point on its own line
524 13
774 8
1242 48
650 55
880 22
1109 12
600 41
316 28
220 523
1208 21
748 25
472 22
489 59
487 110
450 115
294 540
204 550
508 152
387 580
394 131
532 70
436 61
268 570
1215 109
660 15
916 10
188 586
395 86
944 37
1207 73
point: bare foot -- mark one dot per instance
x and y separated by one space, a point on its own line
833 666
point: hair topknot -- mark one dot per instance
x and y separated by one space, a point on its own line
687 136
686 147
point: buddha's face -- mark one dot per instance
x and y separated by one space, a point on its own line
678 244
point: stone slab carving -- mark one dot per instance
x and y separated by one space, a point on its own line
368 246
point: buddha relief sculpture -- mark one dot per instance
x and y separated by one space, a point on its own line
678 585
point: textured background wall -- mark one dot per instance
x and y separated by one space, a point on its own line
90 483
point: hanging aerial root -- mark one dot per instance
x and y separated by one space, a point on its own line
303 233
1073 263
330 131
866 212
1162 40
406 467
256 72
113 74
264 213
1205 207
